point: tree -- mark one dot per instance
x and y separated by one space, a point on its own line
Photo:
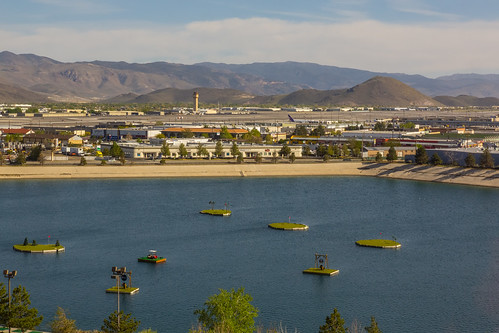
285 150
486 160
202 151
334 323
421 155
373 328
224 133
182 151
128 324
306 150
258 158
160 136
20 314
20 159
2 159
345 151
83 161
319 131
239 158
326 158
41 158
228 311
115 150
219 149
392 154
321 150
268 139
234 150
61 323
165 149
379 157
469 161
300 130
34 154
122 158
380 126
25 241
292 158
274 157
436 159
187 133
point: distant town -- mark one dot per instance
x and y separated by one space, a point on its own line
46 134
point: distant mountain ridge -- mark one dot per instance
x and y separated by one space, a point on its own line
102 80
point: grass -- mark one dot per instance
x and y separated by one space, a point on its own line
381 243
288 226
38 247
216 212
128 290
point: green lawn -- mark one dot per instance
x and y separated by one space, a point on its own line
37 248
381 243
217 212
319 271
288 226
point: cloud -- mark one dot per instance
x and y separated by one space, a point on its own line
418 8
433 49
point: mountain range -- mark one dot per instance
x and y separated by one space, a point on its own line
33 78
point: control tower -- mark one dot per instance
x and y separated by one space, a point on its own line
195 96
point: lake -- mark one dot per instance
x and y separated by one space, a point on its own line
443 279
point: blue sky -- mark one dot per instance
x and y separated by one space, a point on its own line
425 37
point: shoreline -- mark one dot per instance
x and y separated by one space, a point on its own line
450 175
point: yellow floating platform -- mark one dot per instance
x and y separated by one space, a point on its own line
130 291
319 271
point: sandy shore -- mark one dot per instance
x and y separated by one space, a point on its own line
476 177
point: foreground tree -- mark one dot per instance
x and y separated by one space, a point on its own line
379 157
228 311
20 159
334 323
469 161
165 150
182 150
486 160
20 314
62 324
373 328
421 155
436 159
34 154
115 150
128 324
285 150
292 158
219 149
234 150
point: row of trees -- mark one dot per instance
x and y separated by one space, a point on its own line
486 160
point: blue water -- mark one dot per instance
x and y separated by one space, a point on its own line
445 278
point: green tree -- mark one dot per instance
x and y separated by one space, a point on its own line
318 131
268 139
258 158
292 158
421 155
345 151
25 241
62 324
224 133
41 158
300 130
392 154
219 149
373 328
469 161
34 154
334 323
2 159
160 136
380 126
326 158
436 159
20 159
165 150
115 150
239 158
201 150
20 314
486 160
306 150
122 158
182 150
321 150
128 324
285 150
228 311
274 157
83 160
234 150
355 146
379 157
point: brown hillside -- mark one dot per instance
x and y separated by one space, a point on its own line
465 100
11 94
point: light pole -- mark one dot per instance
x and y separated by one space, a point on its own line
9 275
117 274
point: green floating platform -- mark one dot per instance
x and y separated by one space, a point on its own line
319 271
216 212
40 248
379 243
288 226
152 260
131 290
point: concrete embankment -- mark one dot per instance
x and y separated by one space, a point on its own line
455 175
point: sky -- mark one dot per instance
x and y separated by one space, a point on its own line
427 37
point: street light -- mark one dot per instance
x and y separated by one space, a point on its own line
117 274
9 275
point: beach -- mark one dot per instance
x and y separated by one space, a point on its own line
452 175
